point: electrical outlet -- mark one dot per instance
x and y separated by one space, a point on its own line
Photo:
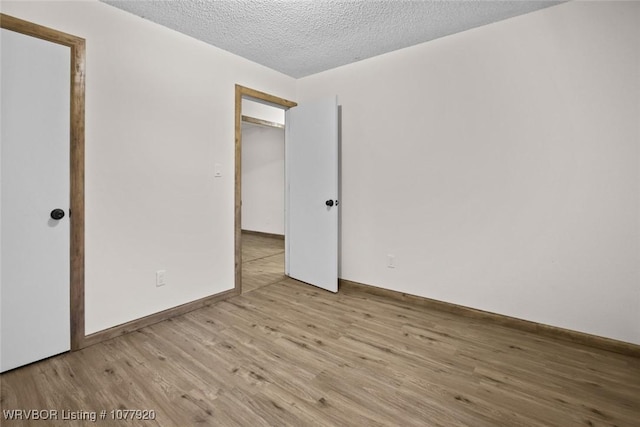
161 278
391 261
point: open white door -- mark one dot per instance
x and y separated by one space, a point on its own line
311 167
35 197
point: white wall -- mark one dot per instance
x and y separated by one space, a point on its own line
501 167
159 114
262 111
262 178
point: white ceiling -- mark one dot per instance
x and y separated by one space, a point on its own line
300 38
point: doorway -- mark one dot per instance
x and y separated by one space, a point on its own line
264 251
263 191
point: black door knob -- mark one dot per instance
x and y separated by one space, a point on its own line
329 203
57 214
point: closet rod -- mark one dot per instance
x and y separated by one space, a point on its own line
257 121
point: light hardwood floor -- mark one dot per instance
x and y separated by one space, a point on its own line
262 261
287 354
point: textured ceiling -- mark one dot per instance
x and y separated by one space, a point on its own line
300 38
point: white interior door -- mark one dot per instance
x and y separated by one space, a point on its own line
34 162
311 168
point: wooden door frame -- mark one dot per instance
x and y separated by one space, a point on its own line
245 92
76 152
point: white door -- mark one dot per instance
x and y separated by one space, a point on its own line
311 168
34 162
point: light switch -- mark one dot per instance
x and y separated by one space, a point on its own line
216 170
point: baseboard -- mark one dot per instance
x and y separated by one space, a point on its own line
134 325
594 341
262 233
